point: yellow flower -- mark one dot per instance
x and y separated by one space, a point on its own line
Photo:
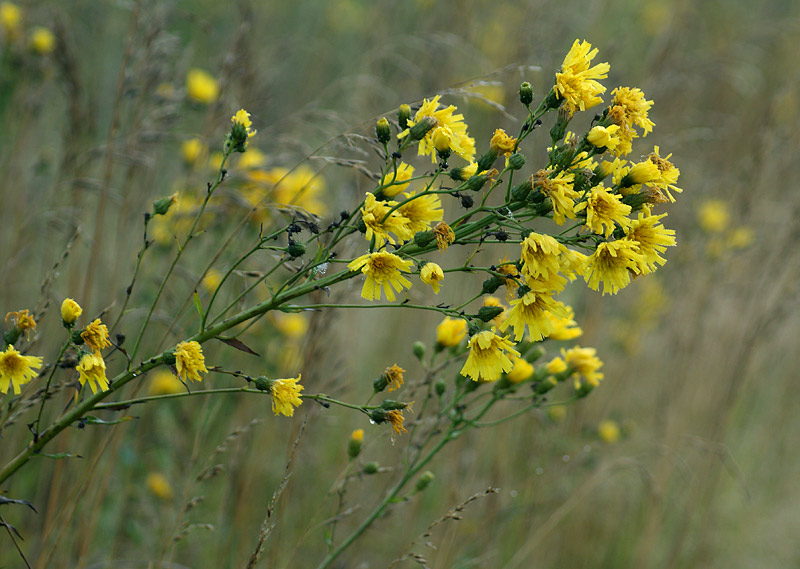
201 86
192 150
557 413
394 375
531 310
541 256
511 283
651 239
560 191
252 159
668 174
521 371
379 226
394 184
442 139
212 280
421 211
493 301
555 366
630 108
564 327
396 419
357 435
714 216
432 274
608 431
577 83
96 336
16 369
42 41
451 331
584 363
10 18
601 136
502 143
448 124
165 382
355 442
604 209
383 272
92 369
612 263
293 326
487 357
242 118
159 486
189 361
70 311
286 395
641 173
444 235
300 187
23 320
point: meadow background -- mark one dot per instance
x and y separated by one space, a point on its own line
700 360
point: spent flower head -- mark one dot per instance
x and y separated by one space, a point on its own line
189 361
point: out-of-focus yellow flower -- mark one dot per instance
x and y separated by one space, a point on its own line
564 327
165 382
253 158
714 216
192 150
741 237
42 41
159 486
521 371
212 280
10 19
293 326
201 86
300 187
451 331
608 431
557 413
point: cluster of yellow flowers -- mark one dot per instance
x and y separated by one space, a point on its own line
41 40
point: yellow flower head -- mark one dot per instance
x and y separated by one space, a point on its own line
531 310
540 256
577 83
612 263
42 41
201 86
23 320
604 209
506 267
487 358
394 184
451 331
421 211
301 188
394 375
651 239
159 486
521 371
192 150
357 435
444 235
92 369
10 18
379 226
667 174
432 274
448 125
502 143
630 108
96 336
286 395
189 361
608 431
584 363
564 327
560 190
70 311
601 136
293 326
714 216
383 273
442 139
242 118
396 419
16 369
164 382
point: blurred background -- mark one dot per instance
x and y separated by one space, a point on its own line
683 457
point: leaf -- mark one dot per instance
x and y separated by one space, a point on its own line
89 420
239 345
197 305
57 456
4 500
11 528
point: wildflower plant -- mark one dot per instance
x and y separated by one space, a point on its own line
588 213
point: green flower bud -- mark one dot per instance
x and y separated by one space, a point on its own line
355 443
424 480
475 183
380 383
419 130
382 131
392 405
161 206
423 238
487 313
419 350
371 467
296 249
403 114
440 387
485 162
12 335
516 161
492 284
526 93
521 191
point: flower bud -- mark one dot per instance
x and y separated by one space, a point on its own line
487 313
521 191
295 249
161 206
382 131
516 161
492 284
371 467
403 114
440 387
419 350
419 130
70 312
354 445
392 405
380 383
485 162
424 480
526 93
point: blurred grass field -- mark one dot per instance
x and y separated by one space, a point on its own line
699 366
